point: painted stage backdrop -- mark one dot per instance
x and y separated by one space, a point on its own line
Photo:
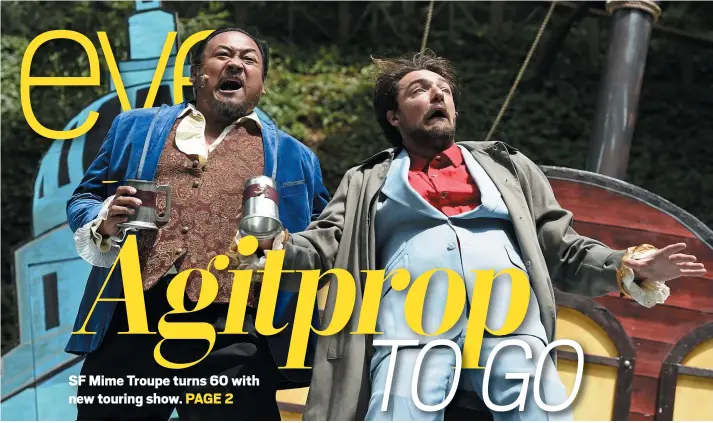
50 275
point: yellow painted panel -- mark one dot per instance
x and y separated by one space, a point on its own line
694 394
595 399
322 296
694 399
574 325
293 396
287 416
701 356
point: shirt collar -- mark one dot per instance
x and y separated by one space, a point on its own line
451 155
190 108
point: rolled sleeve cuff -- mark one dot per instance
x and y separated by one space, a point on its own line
648 293
95 248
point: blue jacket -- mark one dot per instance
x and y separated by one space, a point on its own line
125 155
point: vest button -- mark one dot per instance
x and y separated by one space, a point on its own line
184 229
451 245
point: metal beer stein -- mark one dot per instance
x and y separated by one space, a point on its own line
261 216
145 216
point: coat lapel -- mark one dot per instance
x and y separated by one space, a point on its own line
270 141
492 204
495 160
146 150
398 188
367 239
496 163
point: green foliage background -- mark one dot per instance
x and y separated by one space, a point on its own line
319 88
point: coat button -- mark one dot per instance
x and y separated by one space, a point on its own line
179 251
528 263
184 229
444 194
195 163
196 184
451 245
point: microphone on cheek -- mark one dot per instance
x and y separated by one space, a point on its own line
204 77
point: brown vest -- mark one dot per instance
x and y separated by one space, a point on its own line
205 204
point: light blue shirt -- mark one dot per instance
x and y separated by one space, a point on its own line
413 235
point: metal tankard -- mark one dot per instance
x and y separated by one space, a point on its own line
145 216
261 216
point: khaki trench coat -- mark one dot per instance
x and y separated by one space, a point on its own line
343 237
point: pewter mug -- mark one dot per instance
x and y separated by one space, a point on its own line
145 216
261 216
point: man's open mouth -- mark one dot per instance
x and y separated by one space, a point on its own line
230 85
437 114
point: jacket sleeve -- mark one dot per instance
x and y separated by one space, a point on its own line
316 247
87 200
577 264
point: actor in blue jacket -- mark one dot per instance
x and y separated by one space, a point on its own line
204 151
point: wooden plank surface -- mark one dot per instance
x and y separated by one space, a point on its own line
643 394
620 222
692 292
597 205
633 416
688 292
661 323
649 356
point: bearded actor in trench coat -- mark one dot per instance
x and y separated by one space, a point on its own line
415 102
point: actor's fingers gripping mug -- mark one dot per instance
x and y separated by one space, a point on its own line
145 216
261 216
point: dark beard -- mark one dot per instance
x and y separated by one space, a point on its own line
436 137
229 111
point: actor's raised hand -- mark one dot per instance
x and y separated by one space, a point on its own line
666 264
121 206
